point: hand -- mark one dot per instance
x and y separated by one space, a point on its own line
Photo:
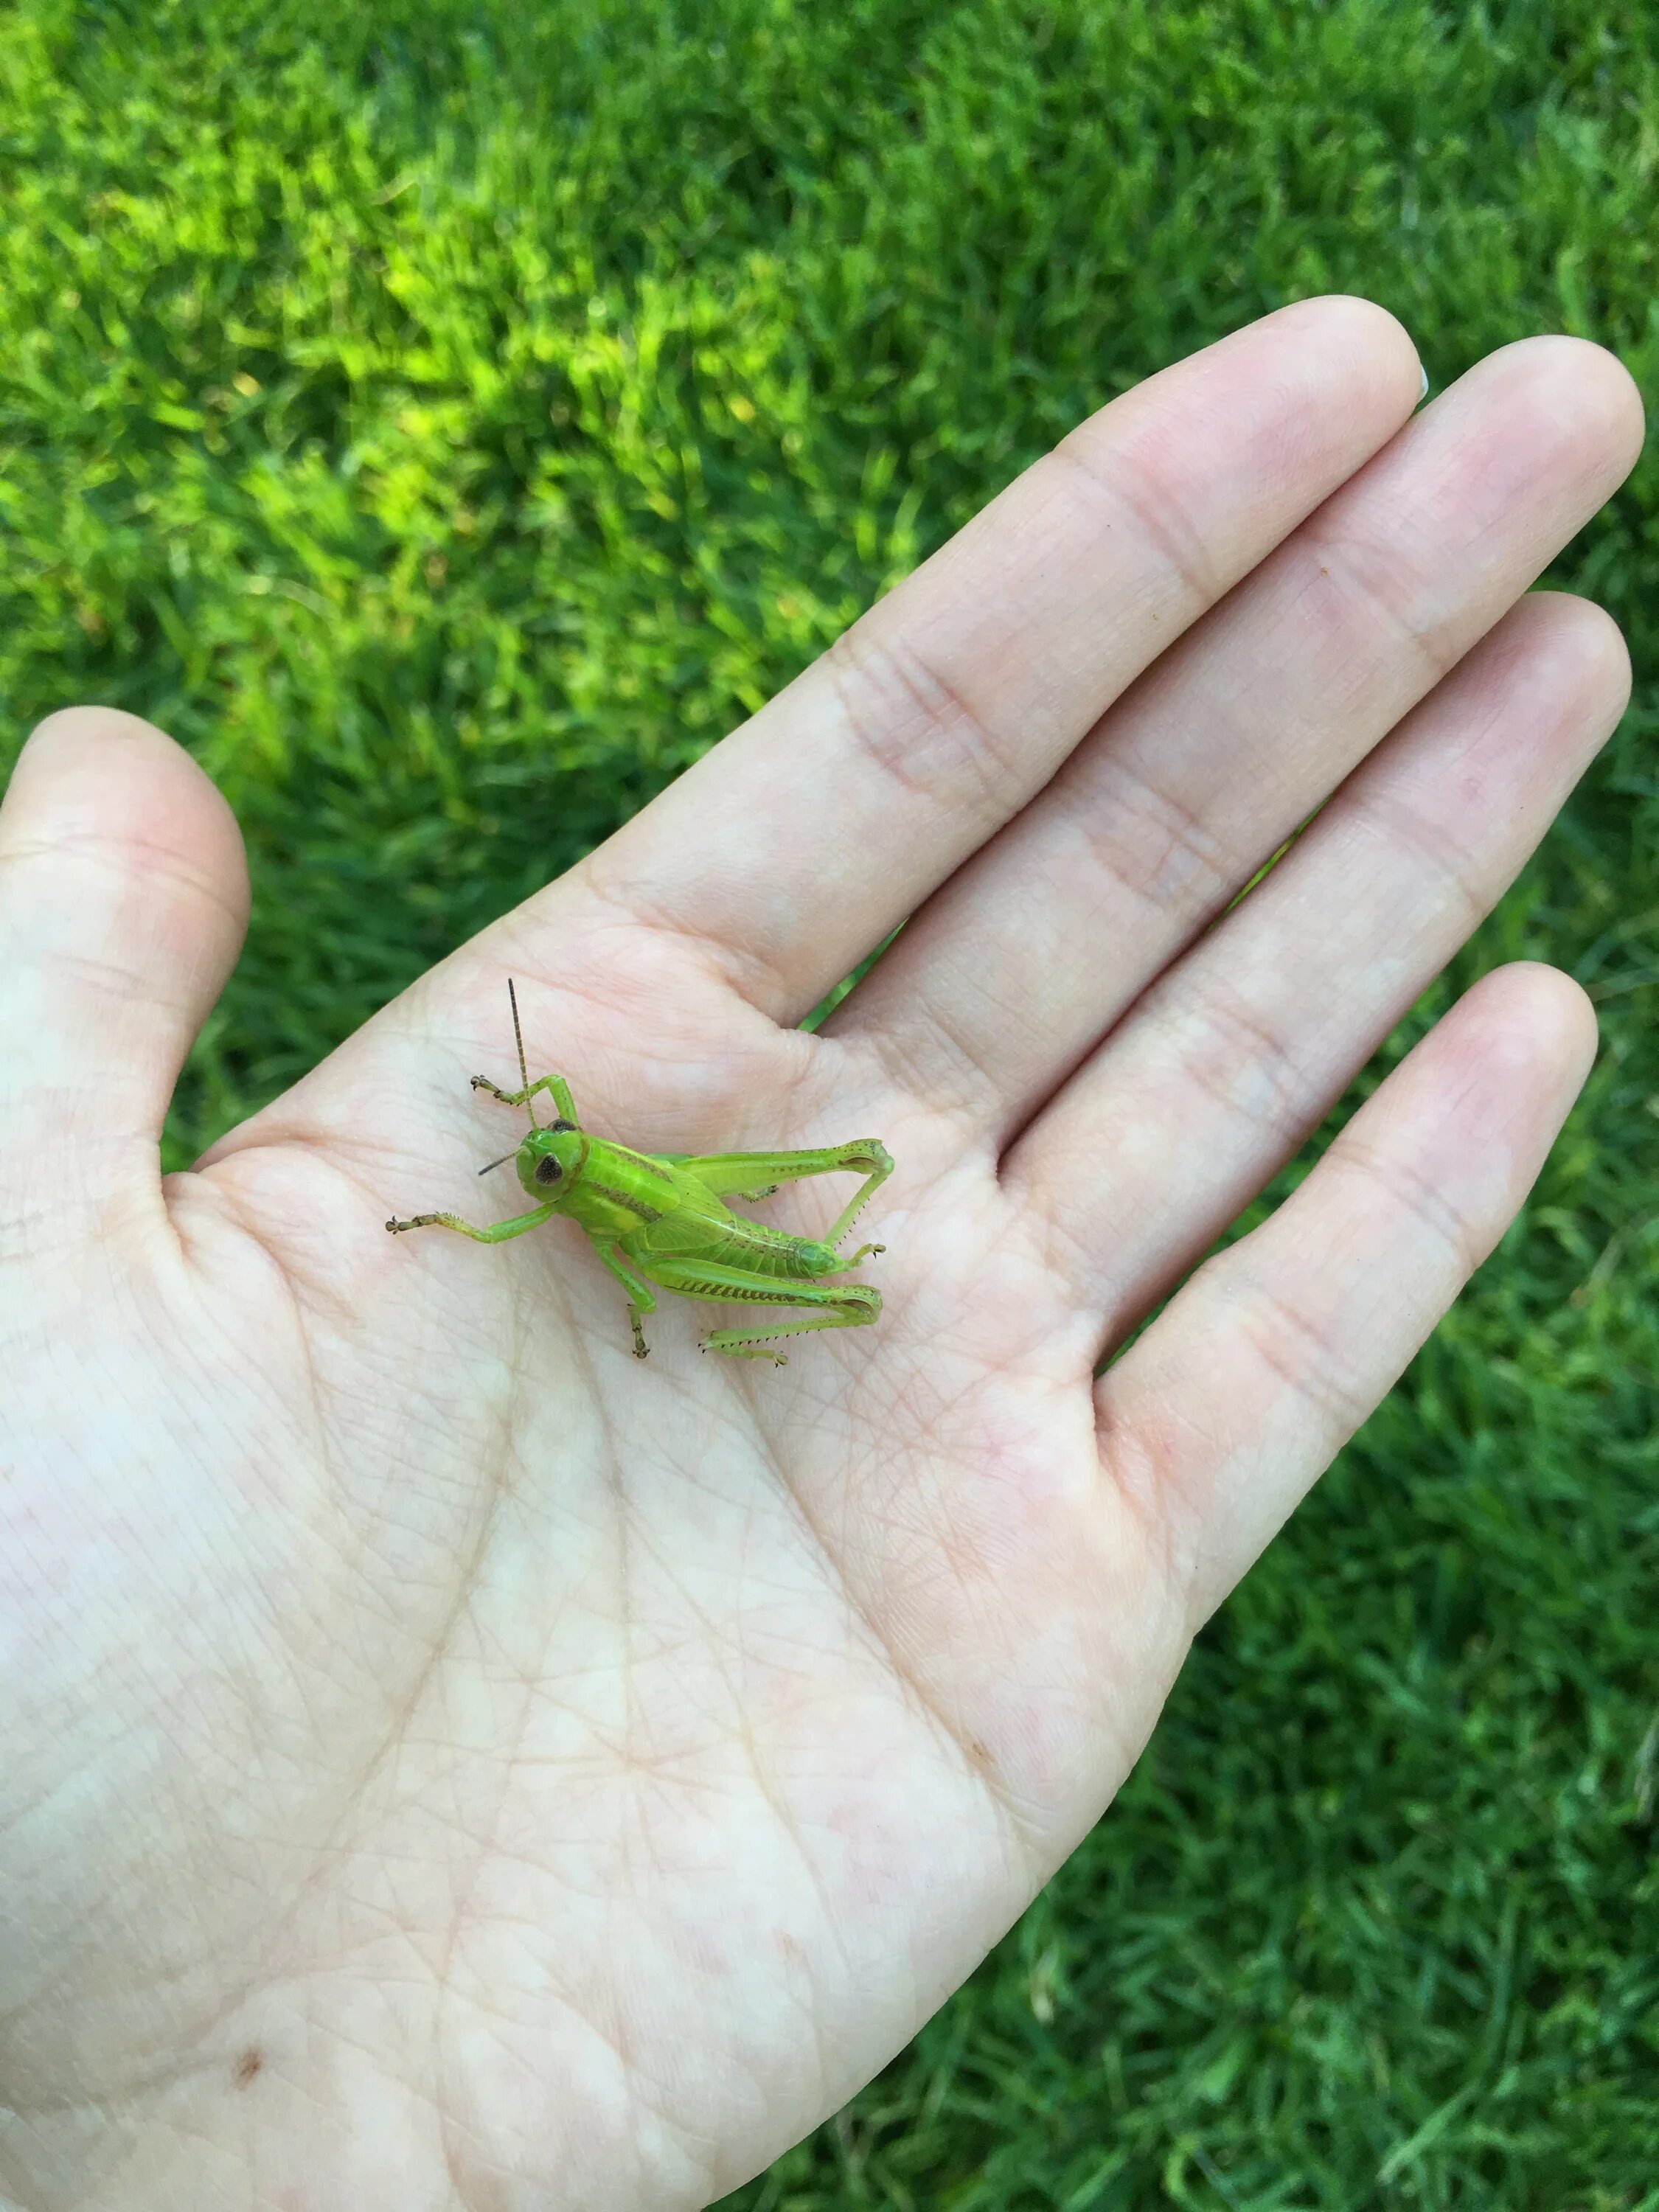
450 1763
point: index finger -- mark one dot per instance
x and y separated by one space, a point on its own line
799 843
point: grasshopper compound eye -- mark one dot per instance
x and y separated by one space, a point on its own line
548 1169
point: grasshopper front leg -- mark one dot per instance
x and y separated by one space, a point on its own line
497 1233
565 1105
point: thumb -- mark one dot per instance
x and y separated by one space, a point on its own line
123 905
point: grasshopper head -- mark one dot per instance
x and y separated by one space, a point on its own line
550 1161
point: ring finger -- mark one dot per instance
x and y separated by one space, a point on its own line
1236 1055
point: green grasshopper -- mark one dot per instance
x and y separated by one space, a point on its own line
658 1218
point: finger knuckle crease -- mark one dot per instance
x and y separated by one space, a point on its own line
1303 1354
1379 585
1244 1063
1401 1182
1396 822
1128 482
1160 868
916 725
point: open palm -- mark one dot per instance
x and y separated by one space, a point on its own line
451 1763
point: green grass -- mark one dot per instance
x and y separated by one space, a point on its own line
450 419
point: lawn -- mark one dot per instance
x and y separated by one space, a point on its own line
448 419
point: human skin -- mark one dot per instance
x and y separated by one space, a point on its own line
451 1764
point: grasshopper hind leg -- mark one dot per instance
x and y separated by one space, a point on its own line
757 1175
812 1306
856 1305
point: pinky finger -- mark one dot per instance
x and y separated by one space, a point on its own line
1230 1408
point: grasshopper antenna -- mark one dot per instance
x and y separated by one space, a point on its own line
493 1165
517 1039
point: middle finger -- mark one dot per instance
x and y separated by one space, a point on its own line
1011 974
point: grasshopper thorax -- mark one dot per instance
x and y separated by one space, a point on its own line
550 1161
